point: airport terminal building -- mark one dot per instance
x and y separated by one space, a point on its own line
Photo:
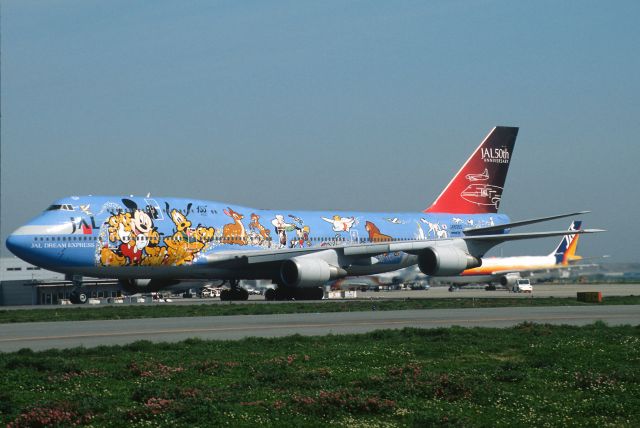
24 284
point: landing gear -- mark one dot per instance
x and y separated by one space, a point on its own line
270 294
79 296
234 293
288 293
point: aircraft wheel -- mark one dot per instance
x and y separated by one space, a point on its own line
242 294
234 294
79 297
270 294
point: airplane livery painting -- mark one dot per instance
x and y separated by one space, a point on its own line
148 243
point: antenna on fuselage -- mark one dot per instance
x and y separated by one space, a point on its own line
148 194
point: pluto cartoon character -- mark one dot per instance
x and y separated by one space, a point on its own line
120 234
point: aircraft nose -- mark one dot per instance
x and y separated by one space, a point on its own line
17 244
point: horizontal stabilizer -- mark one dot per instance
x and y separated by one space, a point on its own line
529 235
503 227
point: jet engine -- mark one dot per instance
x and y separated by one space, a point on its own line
509 280
308 272
445 261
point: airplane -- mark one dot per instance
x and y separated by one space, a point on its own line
479 177
151 243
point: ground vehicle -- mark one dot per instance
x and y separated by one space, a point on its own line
522 286
210 292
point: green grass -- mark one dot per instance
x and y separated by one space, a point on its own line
162 310
529 375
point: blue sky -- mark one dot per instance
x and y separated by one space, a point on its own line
311 105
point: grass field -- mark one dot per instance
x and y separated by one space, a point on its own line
529 375
79 313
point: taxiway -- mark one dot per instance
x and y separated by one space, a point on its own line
60 335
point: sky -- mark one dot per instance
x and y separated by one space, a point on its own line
357 105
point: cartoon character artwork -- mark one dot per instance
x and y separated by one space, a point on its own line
420 232
340 224
234 233
395 220
155 254
132 239
86 209
302 233
111 207
130 232
302 237
185 243
119 230
436 230
442 232
374 233
281 228
260 233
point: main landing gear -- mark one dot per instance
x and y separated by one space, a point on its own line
291 293
234 293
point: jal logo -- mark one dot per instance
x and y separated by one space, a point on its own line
495 155
78 223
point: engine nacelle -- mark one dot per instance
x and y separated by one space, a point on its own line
134 286
308 272
445 261
509 280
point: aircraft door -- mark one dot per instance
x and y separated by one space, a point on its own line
153 209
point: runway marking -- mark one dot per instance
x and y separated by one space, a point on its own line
296 326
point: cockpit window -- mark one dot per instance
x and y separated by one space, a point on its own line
64 207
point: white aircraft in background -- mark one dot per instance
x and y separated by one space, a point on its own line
507 270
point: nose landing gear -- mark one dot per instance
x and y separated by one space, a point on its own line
78 295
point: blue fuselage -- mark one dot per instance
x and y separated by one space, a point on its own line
137 237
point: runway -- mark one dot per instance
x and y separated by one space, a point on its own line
47 335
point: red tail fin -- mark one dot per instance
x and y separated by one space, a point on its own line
477 187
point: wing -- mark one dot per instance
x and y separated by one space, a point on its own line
475 246
502 227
